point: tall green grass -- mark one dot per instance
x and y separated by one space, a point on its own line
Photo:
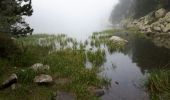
159 85
66 58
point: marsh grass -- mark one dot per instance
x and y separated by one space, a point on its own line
66 58
159 85
102 38
97 58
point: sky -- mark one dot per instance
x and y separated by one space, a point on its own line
70 16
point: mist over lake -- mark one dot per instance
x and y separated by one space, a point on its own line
76 18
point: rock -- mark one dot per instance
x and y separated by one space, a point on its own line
116 82
156 28
167 17
99 92
160 13
150 18
13 86
96 91
43 79
63 96
117 39
40 67
166 28
9 82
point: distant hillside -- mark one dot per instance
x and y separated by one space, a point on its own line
134 9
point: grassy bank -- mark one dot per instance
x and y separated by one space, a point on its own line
66 58
159 85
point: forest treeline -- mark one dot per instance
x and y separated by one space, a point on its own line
136 8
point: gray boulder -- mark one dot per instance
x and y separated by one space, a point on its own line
160 13
116 39
9 82
166 28
156 28
167 17
43 79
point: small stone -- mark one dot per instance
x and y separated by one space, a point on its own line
99 92
43 79
64 96
117 83
10 81
96 91
40 67
13 86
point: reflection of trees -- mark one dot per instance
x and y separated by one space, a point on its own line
146 54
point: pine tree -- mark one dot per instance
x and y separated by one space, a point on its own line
12 14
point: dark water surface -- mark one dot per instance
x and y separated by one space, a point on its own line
129 68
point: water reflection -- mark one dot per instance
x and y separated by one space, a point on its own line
138 57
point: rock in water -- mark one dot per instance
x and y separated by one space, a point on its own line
9 82
96 91
43 79
117 39
40 67
99 92
63 96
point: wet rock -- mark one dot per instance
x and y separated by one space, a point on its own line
40 67
116 39
63 96
116 82
96 91
99 92
9 82
160 13
43 79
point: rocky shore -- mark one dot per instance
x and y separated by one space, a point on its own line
156 25
155 22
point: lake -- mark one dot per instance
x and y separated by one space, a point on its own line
127 69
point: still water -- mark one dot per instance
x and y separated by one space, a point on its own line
79 19
131 66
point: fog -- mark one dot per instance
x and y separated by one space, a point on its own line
77 18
